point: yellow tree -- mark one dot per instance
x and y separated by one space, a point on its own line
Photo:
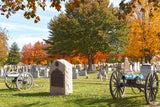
145 33
3 46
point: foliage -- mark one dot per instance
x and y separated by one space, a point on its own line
34 53
127 7
114 57
14 54
144 35
3 46
9 7
86 30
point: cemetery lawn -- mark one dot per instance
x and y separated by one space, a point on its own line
86 92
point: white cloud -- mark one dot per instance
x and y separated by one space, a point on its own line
25 40
13 26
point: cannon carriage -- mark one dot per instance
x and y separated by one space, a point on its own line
146 81
21 81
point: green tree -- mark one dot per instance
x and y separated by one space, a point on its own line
88 29
14 54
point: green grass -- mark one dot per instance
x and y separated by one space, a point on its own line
86 92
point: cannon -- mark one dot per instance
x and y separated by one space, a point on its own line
146 82
21 81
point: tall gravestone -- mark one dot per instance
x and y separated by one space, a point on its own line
46 73
126 66
145 69
61 78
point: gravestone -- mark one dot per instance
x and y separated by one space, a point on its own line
158 68
1 72
85 67
131 69
61 78
78 67
46 73
34 71
138 66
94 67
75 73
135 67
83 73
102 74
126 66
109 70
145 69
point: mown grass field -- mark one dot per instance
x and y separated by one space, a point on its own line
86 92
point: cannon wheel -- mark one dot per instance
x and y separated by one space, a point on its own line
24 81
151 87
10 82
117 88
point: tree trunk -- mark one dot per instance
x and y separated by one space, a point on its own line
145 59
141 60
90 59
63 56
148 59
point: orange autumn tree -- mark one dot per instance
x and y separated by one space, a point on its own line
145 33
34 53
26 54
100 56
38 53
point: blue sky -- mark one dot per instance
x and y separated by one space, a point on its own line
23 31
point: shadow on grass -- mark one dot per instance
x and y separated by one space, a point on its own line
39 94
8 90
109 102
38 103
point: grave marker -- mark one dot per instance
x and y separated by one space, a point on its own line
61 78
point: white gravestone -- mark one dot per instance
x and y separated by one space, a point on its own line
75 74
135 67
61 78
138 66
46 73
1 72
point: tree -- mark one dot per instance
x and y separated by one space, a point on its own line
26 54
14 54
9 7
34 53
38 53
144 36
88 29
3 46
128 6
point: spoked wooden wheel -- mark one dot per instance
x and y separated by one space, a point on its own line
151 87
117 87
24 81
10 81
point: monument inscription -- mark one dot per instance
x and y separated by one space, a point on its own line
57 78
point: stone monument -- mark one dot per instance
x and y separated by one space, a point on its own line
61 78
126 66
